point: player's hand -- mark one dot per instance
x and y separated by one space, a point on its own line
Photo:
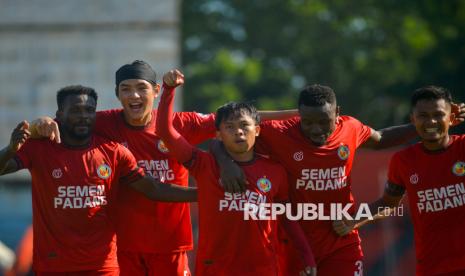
459 111
173 78
19 136
343 227
45 127
233 178
308 271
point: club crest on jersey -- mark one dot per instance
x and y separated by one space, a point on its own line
161 147
104 171
459 168
264 184
343 152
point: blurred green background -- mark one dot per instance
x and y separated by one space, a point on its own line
372 53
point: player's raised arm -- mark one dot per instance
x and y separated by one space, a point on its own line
19 136
266 115
398 135
177 145
155 190
390 137
381 209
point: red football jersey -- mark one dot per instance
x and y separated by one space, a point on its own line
435 186
72 191
144 225
317 174
229 244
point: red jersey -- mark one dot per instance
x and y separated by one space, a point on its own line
144 225
71 196
228 244
435 186
317 174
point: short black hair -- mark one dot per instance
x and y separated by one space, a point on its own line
430 92
233 110
316 95
67 91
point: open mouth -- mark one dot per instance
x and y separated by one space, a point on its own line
431 130
136 106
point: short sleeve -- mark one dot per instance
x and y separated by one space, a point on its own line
363 132
270 132
195 127
25 155
394 172
129 171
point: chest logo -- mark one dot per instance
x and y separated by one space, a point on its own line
414 178
459 168
298 156
104 171
264 184
57 173
343 152
161 147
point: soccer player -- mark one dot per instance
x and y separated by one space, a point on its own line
73 188
432 172
317 148
228 244
153 237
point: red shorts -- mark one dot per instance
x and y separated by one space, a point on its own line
151 264
347 261
111 271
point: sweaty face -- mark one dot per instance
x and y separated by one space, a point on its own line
77 118
136 97
432 120
238 134
318 122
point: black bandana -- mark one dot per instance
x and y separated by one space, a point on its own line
136 70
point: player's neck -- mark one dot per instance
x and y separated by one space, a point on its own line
242 157
138 122
437 145
73 142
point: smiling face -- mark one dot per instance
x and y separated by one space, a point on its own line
137 97
432 119
318 122
77 116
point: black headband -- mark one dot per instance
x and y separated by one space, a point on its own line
140 71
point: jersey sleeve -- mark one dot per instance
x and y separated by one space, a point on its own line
363 132
201 162
394 172
25 154
127 166
282 194
195 127
178 146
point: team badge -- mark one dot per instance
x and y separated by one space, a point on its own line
343 152
161 147
104 171
459 168
264 184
